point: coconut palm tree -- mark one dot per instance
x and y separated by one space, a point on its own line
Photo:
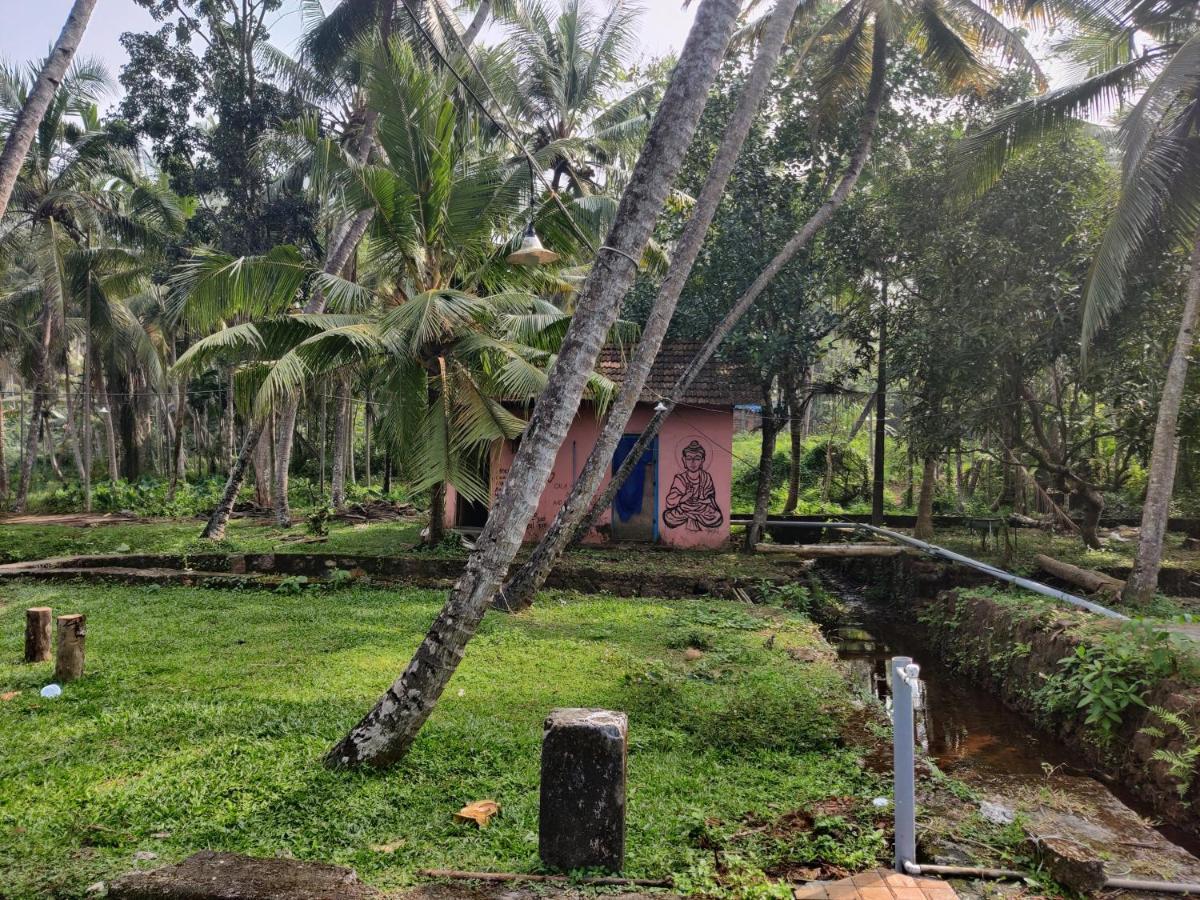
76 184
448 206
852 47
573 96
387 731
23 129
1126 47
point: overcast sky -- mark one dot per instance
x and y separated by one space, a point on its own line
29 27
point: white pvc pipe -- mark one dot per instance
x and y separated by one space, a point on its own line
942 553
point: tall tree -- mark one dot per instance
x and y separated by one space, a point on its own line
385 734
1129 46
519 591
24 128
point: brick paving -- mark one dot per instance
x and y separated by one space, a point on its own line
878 884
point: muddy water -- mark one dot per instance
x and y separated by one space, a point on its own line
967 731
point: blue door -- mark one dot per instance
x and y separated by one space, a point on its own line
635 507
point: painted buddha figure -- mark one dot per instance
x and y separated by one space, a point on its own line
691 502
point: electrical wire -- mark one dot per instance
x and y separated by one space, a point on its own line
510 130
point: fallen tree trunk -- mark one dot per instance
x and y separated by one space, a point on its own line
1091 581
830 551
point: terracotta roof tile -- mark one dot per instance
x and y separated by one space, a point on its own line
720 382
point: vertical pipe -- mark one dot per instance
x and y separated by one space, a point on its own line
904 758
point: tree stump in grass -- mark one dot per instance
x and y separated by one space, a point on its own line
37 634
68 663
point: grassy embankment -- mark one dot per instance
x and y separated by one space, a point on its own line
203 717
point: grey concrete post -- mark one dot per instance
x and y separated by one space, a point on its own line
904 673
582 811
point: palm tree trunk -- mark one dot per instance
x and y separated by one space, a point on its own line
386 733
262 469
24 130
797 410
437 514
878 474
482 14
1143 580
924 527
41 394
219 520
518 593
766 460
801 239
110 431
3 459
179 449
341 417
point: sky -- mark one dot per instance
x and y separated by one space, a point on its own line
30 27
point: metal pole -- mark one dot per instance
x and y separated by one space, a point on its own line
904 674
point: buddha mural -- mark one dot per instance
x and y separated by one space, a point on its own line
691 503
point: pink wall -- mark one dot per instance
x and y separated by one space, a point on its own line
695 514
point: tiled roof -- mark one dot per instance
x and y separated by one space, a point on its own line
720 383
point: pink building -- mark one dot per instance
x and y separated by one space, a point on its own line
680 492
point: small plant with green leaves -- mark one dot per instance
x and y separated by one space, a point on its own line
317 523
1102 680
292 585
1181 764
791 595
339 578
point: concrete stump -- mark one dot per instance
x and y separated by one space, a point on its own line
37 634
582 815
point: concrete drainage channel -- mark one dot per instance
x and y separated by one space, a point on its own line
967 731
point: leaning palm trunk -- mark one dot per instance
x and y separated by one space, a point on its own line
25 129
532 579
344 243
219 520
519 591
385 734
1143 580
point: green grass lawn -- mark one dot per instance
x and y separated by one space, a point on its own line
22 542
203 716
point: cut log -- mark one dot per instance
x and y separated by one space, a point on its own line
37 633
830 551
68 662
1087 579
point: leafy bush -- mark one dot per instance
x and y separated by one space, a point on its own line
1102 680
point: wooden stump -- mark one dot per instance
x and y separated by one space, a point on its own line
37 634
68 663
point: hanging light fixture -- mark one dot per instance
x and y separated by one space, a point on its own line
531 252
661 406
